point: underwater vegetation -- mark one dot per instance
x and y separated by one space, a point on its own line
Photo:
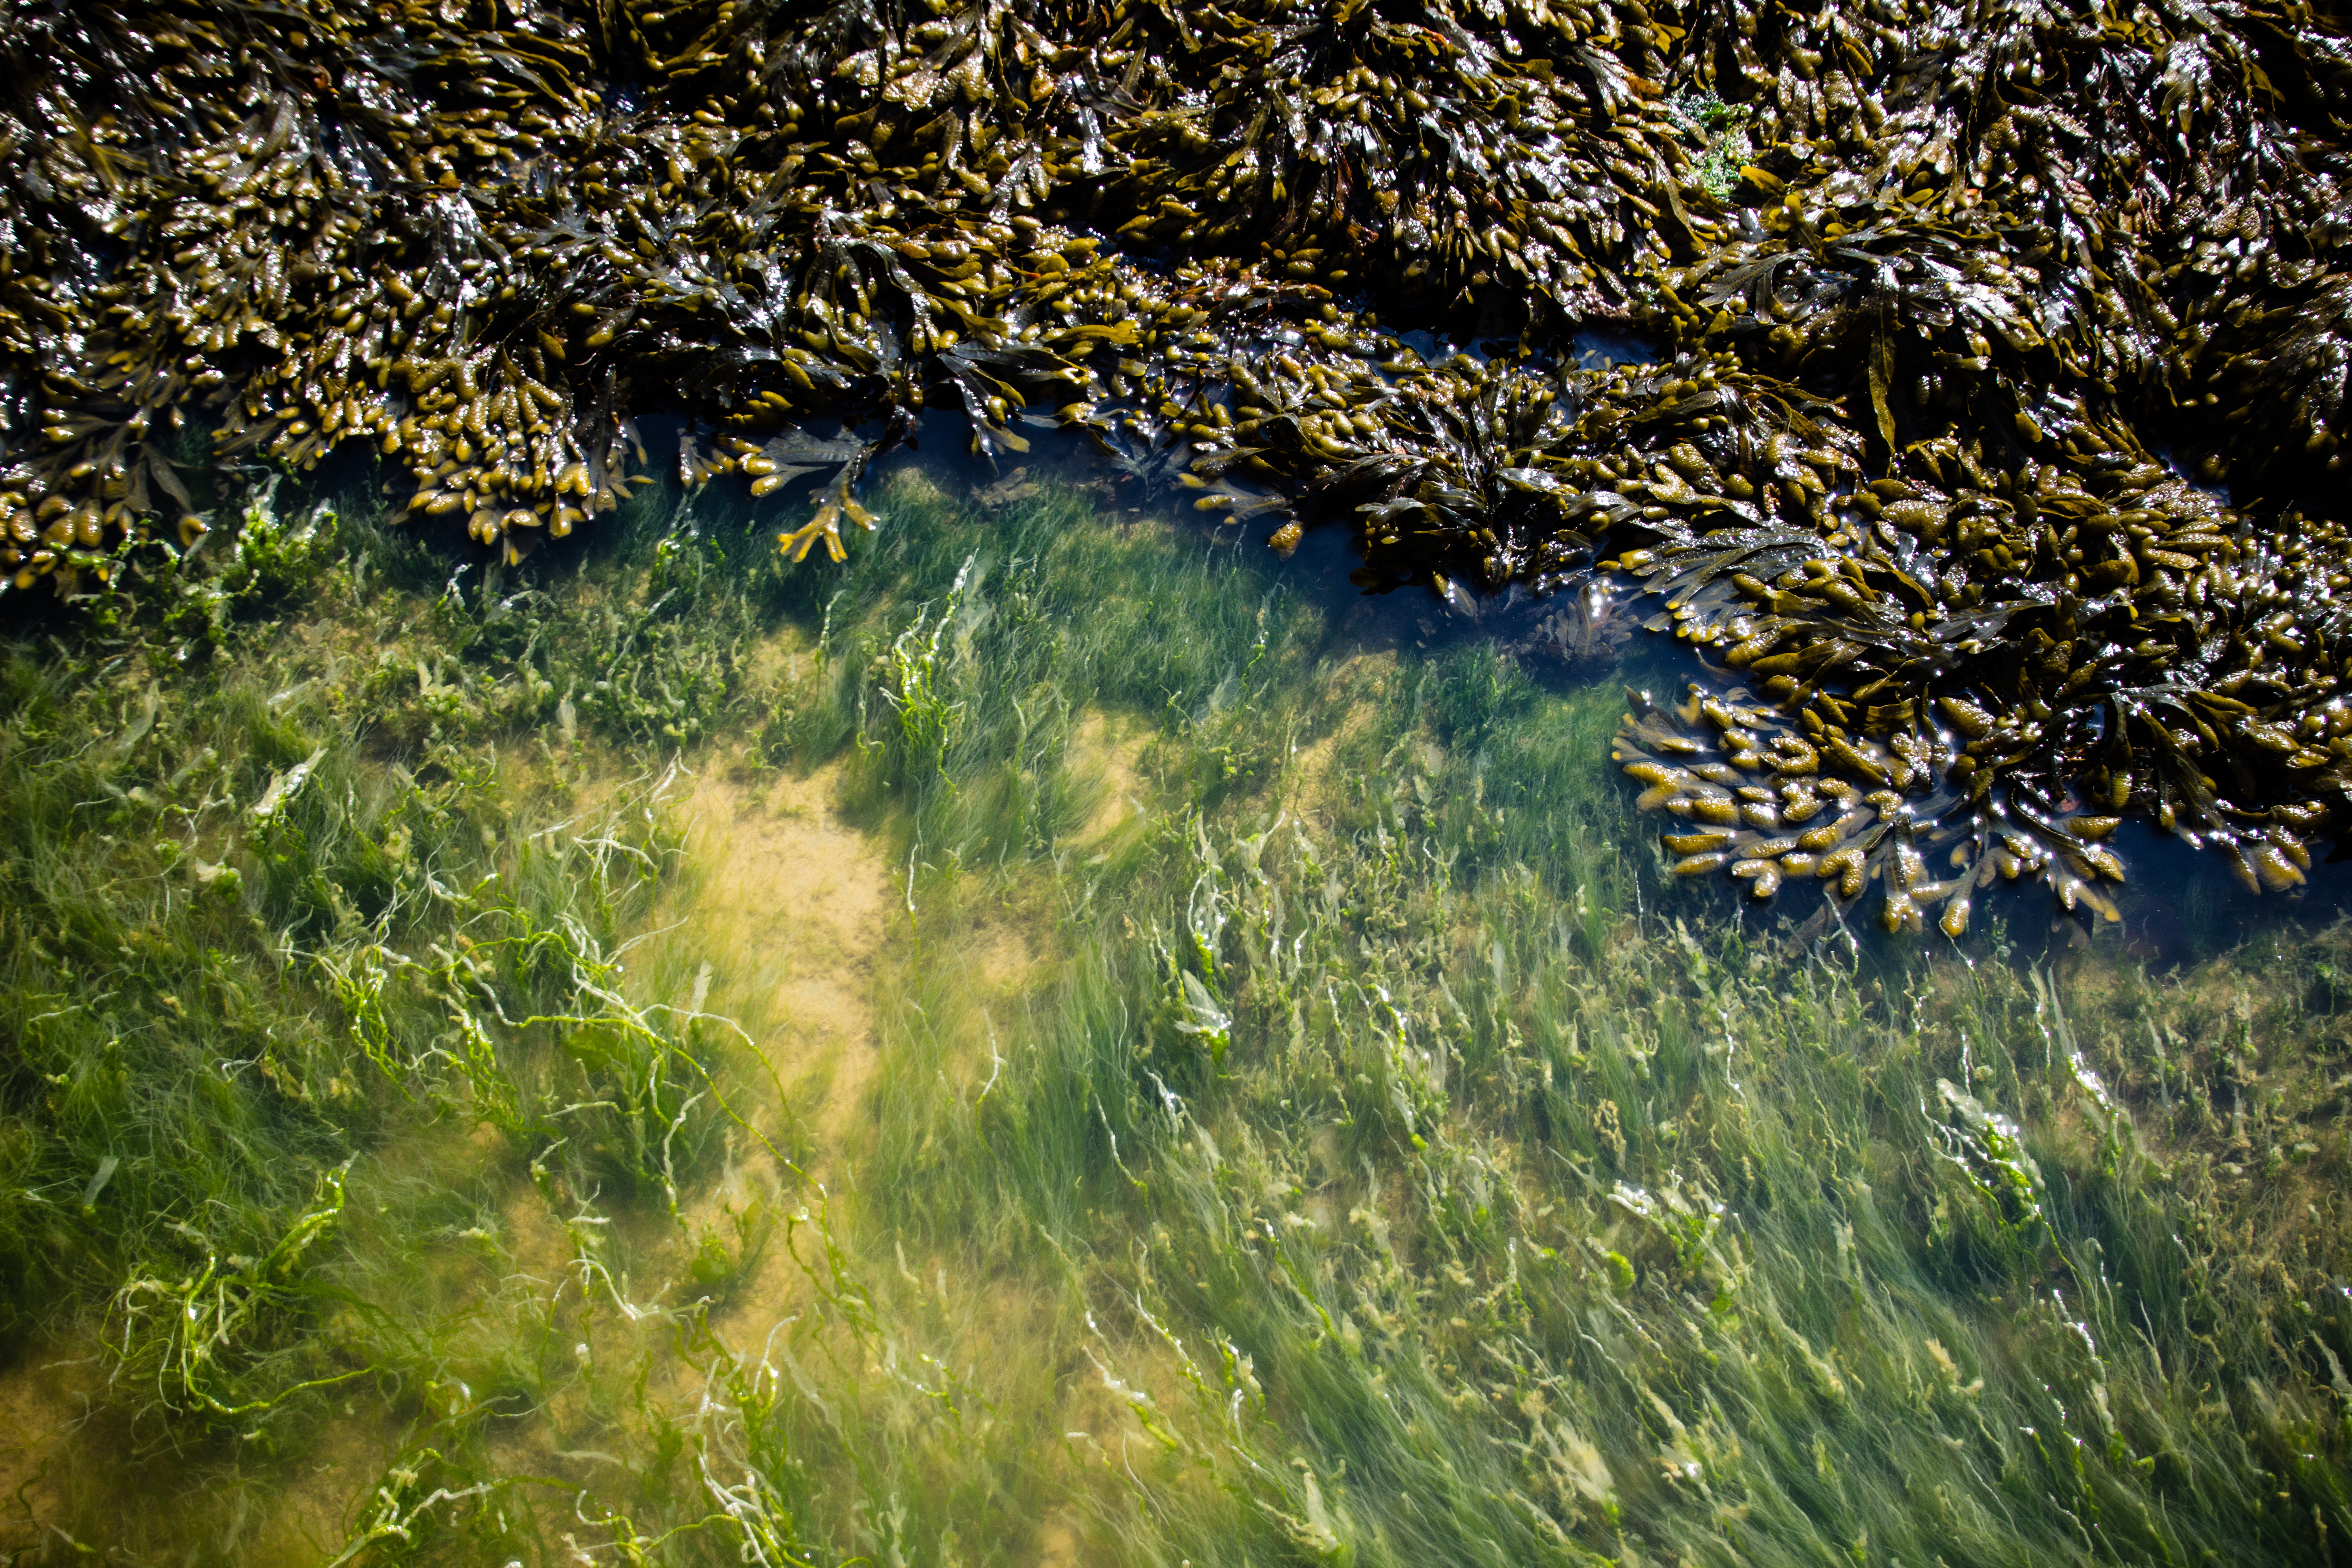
1436 1202
1296 1132
245 963
1998 354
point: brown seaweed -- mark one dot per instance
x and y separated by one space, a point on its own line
1966 320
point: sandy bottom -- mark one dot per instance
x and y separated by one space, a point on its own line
777 923
36 1415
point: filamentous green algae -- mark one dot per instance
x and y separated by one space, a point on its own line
1067 1042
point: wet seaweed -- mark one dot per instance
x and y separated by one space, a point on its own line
1980 308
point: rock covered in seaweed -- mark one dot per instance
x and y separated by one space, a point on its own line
1951 307
452 235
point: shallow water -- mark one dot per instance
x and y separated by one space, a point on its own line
1069 1038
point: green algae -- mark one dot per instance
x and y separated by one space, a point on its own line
1298 1130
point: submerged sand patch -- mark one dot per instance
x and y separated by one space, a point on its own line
1351 686
1111 748
36 1417
776 924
